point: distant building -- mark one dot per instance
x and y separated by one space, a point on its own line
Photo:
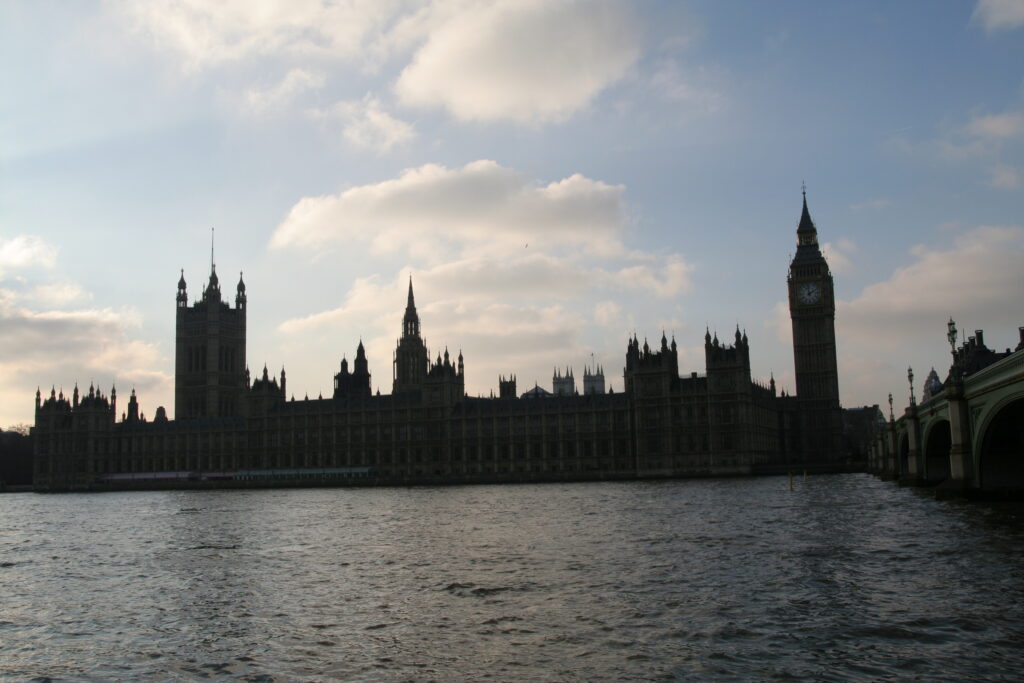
932 385
232 430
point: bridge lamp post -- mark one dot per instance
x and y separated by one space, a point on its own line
951 338
892 418
910 378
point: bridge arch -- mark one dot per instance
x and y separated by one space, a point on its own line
937 443
1001 446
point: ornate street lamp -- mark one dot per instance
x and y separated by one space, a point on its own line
910 378
951 335
892 418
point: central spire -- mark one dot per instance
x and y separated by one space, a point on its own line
411 321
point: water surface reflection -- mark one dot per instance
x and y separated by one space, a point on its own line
845 577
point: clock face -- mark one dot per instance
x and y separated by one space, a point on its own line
809 293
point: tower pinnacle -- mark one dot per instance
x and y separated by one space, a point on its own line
411 321
806 232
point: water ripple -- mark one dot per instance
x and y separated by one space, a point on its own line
845 577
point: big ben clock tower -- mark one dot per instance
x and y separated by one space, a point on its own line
812 307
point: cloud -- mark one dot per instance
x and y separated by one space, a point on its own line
673 278
295 82
26 251
480 205
57 294
1005 177
983 142
544 251
838 255
60 347
1008 125
979 276
608 313
206 34
534 279
366 124
996 15
527 61
697 86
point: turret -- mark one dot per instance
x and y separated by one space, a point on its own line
182 293
240 292
133 407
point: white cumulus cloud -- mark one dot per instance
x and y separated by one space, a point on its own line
481 204
979 276
43 347
25 251
527 61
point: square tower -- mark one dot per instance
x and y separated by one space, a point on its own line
812 308
210 376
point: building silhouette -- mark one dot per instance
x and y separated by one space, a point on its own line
231 430
812 308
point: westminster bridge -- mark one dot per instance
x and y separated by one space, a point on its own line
966 436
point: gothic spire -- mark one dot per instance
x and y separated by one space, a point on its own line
411 321
806 232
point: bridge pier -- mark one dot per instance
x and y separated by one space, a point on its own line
891 463
915 467
960 466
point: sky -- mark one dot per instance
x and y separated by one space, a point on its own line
553 175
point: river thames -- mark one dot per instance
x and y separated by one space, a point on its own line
843 578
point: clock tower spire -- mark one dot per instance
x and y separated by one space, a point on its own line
812 309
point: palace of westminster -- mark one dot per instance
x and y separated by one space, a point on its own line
232 430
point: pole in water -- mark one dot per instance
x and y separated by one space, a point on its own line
805 475
791 480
